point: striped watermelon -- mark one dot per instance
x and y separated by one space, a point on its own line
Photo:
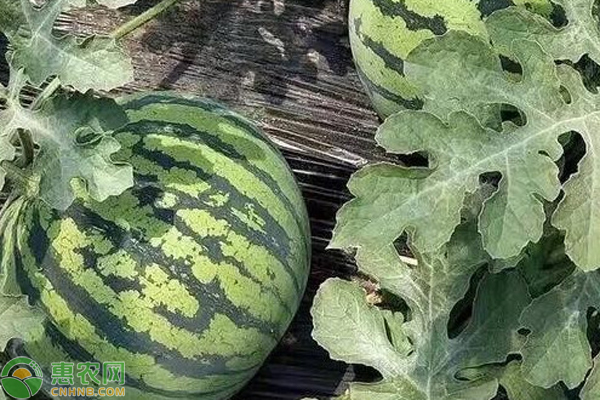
383 32
192 276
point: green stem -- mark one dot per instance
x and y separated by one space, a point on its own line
142 19
27 145
46 93
16 175
12 197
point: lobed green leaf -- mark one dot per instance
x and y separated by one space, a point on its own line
427 203
558 348
73 132
95 62
581 35
356 332
18 319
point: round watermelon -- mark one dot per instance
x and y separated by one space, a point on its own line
383 32
192 276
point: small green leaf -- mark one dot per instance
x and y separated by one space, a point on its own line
580 36
363 339
56 128
557 349
92 63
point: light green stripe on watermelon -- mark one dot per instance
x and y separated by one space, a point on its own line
157 286
119 264
170 293
383 33
126 212
236 174
247 294
175 178
226 126
260 264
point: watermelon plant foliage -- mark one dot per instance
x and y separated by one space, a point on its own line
383 32
460 149
95 62
63 134
501 295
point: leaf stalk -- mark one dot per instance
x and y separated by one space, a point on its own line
23 181
142 19
48 91
28 147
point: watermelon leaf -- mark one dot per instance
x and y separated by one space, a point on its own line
557 349
547 227
356 332
73 133
427 202
95 62
511 379
580 36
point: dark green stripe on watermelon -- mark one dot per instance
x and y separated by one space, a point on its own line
486 7
115 331
375 90
414 21
392 60
383 33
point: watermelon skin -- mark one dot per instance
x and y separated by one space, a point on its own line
192 276
383 33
